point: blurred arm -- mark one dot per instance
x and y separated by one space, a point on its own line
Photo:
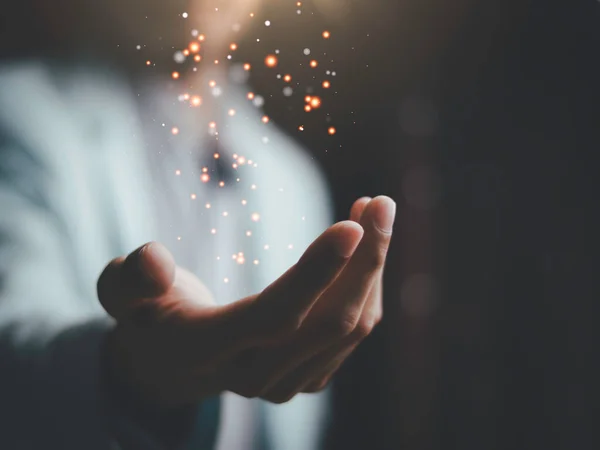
52 333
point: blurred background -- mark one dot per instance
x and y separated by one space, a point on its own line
482 120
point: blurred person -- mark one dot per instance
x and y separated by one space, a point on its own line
100 350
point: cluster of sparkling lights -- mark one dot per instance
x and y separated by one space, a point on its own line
192 55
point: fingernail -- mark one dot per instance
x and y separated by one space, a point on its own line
384 216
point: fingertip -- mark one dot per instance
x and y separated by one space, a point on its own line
381 212
156 266
358 208
347 237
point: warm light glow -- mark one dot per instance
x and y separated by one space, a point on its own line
326 84
250 95
307 108
212 83
314 63
265 119
247 66
205 178
331 131
271 61
194 47
233 46
326 34
287 78
175 131
315 102
175 75
196 100
197 58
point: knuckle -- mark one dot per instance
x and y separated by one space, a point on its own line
342 325
364 327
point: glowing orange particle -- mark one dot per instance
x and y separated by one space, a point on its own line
331 131
212 83
148 62
186 52
201 37
186 96
216 156
175 75
326 84
307 108
196 100
233 46
271 61
265 119
212 124
315 102
197 58
307 99
326 34
175 131
250 95
194 47
314 63
231 112
247 66
287 78
205 178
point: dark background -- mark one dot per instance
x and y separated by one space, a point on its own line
481 119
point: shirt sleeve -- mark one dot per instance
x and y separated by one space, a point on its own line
52 390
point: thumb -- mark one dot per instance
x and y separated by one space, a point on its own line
147 272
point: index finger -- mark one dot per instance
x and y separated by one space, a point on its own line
345 299
284 304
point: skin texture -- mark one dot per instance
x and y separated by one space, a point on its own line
173 346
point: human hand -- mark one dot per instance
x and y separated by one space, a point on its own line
173 346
